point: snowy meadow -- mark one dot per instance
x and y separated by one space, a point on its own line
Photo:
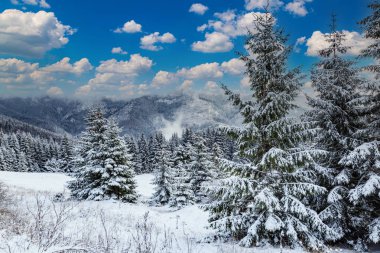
42 223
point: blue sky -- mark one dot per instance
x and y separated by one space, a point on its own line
123 49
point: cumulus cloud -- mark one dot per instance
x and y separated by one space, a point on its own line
31 34
129 27
211 85
244 82
54 91
65 66
226 26
299 41
118 50
234 66
15 71
198 8
40 3
263 4
214 42
114 74
163 78
149 42
297 7
202 71
354 40
186 84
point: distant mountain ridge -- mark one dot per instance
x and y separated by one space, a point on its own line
145 114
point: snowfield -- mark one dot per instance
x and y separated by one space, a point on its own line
106 226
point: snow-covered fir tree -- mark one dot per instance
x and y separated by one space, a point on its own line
201 167
362 161
265 199
182 193
118 175
336 112
142 158
162 169
105 171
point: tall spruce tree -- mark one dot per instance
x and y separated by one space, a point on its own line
88 182
201 168
337 84
118 174
266 197
162 175
363 161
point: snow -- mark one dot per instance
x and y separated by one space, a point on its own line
144 185
50 182
187 225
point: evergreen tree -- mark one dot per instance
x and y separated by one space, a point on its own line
142 155
181 194
337 83
201 168
88 183
118 175
162 176
266 197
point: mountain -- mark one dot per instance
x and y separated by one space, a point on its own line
145 114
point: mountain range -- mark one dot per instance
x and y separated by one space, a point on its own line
142 115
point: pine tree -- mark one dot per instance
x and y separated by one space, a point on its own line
372 31
88 182
362 161
118 175
181 194
162 176
142 155
265 199
66 153
336 82
201 167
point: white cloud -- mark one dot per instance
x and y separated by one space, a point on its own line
231 24
299 41
163 78
211 85
136 65
244 82
54 91
226 26
297 7
118 50
262 4
41 3
129 27
354 40
64 66
31 34
149 42
14 71
198 8
202 71
234 66
186 84
113 74
214 42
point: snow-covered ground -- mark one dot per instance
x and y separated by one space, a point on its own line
109 226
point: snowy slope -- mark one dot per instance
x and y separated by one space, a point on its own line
181 230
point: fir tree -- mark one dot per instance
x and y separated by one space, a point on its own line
88 182
162 176
265 199
181 194
118 175
201 168
336 81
